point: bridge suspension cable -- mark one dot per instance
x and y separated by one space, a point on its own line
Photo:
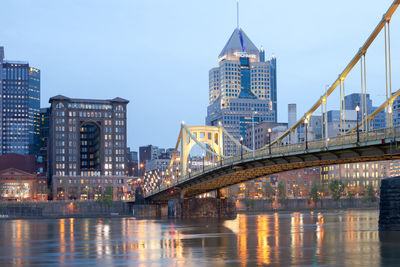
342 76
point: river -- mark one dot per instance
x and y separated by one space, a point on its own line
342 238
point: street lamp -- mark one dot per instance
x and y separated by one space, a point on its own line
252 118
358 133
203 162
241 148
306 125
269 140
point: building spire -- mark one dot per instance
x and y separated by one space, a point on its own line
237 13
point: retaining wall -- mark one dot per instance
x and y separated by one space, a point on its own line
254 205
62 209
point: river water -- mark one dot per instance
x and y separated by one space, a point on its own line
343 238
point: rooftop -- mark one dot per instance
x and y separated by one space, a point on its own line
239 42
78 100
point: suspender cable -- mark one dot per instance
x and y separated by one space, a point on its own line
365 93
344 106
386 78
390 74
341 110
361 104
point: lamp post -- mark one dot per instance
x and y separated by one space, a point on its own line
203 162
241 148
358 133
252 118
269 140
306 125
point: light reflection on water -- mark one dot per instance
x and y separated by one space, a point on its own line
275 239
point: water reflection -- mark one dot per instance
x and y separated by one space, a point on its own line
276 239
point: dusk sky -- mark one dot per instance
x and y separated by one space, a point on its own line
157 54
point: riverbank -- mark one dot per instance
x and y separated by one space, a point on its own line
261 205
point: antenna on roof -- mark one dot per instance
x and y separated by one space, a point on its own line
237 11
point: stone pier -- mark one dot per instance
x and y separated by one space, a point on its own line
202 208
389 213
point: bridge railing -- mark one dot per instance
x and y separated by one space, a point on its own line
345 140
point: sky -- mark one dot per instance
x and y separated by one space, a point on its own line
157 54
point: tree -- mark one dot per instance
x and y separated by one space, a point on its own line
314 194
350 194
268 190
370 194
281 192
107 197
337 188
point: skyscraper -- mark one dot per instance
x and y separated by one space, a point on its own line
20 106
242 89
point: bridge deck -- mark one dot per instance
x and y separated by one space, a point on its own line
374 145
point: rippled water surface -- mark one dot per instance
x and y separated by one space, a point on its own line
348 238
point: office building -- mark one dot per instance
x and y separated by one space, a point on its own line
261 134
20 106
354 100
242 89
43 142
133 163
87 146
396 112
356 175
146 153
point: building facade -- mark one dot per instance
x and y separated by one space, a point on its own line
22 178
356 175
133 163
20 106
242 89
354 100
87 145
261 134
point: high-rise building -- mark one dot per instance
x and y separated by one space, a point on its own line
242 89
87 146
20 106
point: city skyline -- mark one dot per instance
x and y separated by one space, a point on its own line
83 41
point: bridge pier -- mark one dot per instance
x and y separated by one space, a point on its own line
202 208
389 206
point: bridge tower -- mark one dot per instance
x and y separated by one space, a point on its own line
192 135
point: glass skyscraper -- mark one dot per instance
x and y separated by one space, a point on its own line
242 89
20 106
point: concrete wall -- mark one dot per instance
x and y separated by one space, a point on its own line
389 214
150 211
302 204
63 209
202 208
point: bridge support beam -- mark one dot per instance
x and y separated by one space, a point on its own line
202 208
